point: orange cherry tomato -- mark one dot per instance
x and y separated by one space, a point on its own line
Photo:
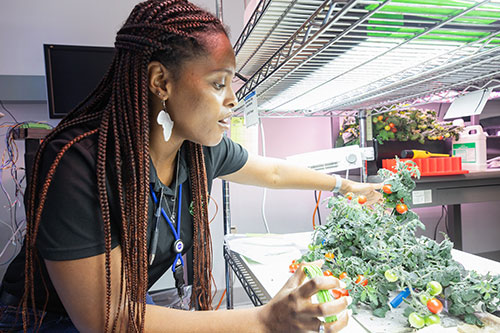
342 275
329 256
391 125
349 196
401 208
336 293
327 273
293 267
434 305
387 188
380 118
362 199
440 137
361 279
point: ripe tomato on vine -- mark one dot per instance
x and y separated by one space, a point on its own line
401 208
387 188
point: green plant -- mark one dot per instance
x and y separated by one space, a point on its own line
349 132
380 244
412 125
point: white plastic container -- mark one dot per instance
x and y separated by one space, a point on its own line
471 147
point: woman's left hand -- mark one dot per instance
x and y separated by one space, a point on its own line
370 191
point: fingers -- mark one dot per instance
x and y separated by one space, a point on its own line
329 308
375 197
299 276
313 323
312 286
342 321
367 189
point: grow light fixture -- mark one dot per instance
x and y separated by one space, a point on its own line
470 104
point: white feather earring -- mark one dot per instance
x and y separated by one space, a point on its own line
165 121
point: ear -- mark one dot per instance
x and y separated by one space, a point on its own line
158 80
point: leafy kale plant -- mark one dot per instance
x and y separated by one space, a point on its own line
379 243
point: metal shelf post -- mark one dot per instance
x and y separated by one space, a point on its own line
227 231
362 143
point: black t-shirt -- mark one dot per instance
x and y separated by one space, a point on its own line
72 227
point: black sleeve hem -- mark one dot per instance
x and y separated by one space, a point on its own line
59 254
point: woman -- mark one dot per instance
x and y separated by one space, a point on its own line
107 212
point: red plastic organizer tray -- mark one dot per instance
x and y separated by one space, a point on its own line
432 166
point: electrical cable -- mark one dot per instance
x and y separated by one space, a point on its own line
8 198
7 225
14 253
263 142
9 160
221 298
10 241
215 292
316 209
446 220
438 222
216 209
316 199
3 107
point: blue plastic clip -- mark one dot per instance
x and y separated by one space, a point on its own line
399 298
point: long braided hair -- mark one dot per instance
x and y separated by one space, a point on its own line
172 32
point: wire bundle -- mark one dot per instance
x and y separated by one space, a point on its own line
10 157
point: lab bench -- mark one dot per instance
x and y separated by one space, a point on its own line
454 190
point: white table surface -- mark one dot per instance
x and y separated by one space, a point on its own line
268 256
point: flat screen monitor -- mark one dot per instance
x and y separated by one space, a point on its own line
72 72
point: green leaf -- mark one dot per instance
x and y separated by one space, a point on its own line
408 310
373 299
363 296
473 320
381 311
469 295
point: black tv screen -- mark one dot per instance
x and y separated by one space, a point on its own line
72 73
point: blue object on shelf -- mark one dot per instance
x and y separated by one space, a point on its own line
399 298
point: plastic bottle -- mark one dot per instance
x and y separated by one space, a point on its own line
471 147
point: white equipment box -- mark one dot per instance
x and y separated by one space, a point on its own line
335 159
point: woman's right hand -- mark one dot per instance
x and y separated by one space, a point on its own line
291 310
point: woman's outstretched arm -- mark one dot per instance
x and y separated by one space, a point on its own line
81 286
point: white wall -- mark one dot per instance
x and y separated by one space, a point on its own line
25 25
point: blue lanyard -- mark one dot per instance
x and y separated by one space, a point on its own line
178 244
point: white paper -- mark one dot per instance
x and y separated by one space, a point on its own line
251 111
270 248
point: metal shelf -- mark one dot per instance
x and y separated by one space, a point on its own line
250 283
270 25
364 54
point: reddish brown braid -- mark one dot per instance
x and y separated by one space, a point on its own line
202 254
172 32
